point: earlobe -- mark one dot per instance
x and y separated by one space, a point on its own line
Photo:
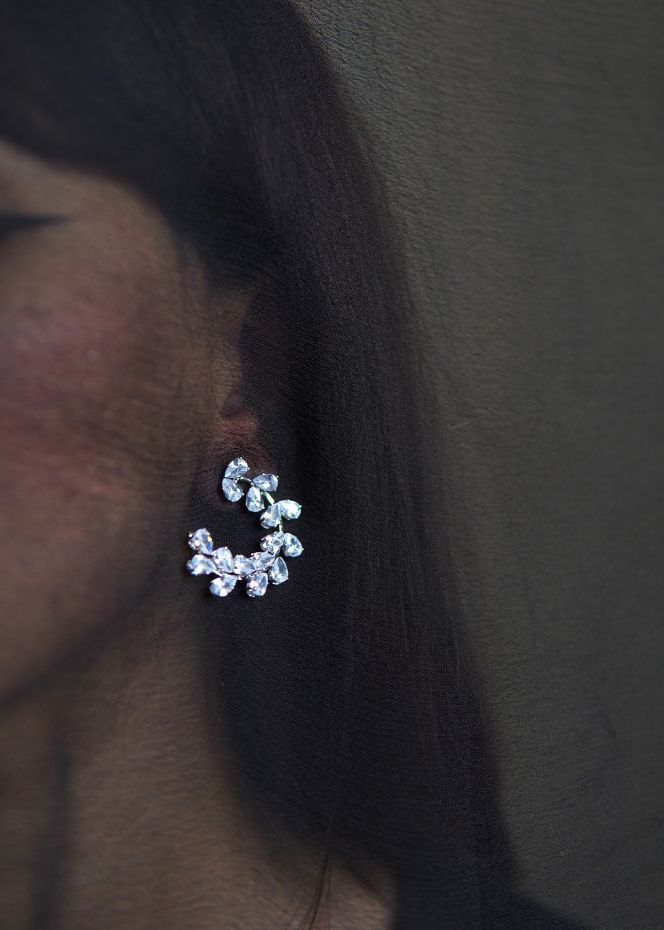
240 428
232 423
236 430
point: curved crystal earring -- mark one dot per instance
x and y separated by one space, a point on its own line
259 568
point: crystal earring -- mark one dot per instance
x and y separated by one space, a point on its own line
259 568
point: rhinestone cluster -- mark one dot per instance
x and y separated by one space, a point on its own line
260 568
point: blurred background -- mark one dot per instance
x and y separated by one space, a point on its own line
522 146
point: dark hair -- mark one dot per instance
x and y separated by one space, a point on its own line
349 698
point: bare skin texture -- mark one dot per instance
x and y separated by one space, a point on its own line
117 808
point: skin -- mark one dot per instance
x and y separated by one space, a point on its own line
118 402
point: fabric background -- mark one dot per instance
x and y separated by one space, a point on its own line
523 149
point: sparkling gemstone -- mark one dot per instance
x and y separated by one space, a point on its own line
273 542
242 565
292 546
236 469
231 489
266 482
290 509
257 585
201 565
254 500
201 541
262 560
279 571
223 559
271 516
223 586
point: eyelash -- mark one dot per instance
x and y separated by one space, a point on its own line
11 223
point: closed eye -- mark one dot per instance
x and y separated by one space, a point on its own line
11 223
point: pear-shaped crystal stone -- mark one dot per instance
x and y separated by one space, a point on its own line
271 517
223 559
290 510
279 571
236 469
201 565
273 542
257 585
292 546
266 482
223 585
201 541
254 500
243 566
232 490
262 560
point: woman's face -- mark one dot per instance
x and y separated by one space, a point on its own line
108 401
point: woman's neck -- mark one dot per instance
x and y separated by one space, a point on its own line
118 808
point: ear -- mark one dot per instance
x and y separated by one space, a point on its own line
233 426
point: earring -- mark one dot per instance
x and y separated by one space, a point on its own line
259 568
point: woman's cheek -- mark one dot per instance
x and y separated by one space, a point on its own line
88 421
